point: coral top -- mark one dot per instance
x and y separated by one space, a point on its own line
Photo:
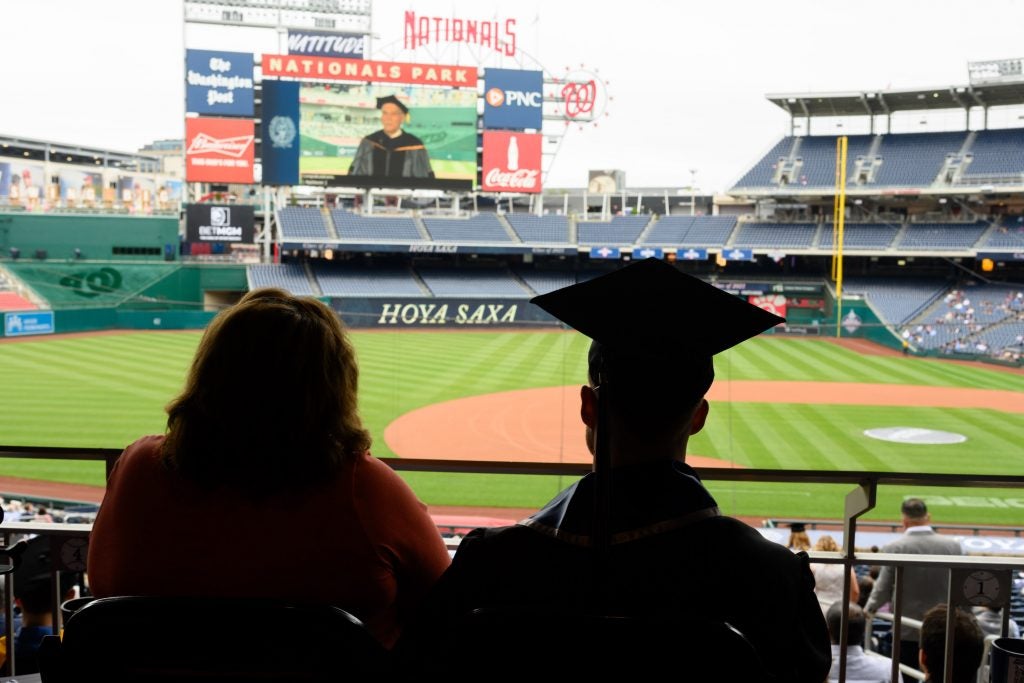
361 541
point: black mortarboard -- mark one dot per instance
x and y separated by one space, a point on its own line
797 527
391 99
650 310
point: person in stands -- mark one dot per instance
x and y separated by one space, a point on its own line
263 485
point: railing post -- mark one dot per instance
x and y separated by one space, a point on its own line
947 665
858 501
897 619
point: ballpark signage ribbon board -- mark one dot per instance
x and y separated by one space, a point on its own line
215 223
511 162
456 313
218 83
330 68
24 324
326 44
513 99
219 150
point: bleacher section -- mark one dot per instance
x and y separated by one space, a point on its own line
620 230
287 276
492 282
915 159
350 226
896 301
691 231
300 222
483 227
355 281
996 154
546 281
776 235
539 229
941 236
1010 236
819 160
763 172
862 236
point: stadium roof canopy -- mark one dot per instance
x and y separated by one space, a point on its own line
884 102
44 150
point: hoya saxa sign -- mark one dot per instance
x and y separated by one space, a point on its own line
218 83
219 150
219 223
513 99
511 162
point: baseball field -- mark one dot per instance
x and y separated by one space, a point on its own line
778 403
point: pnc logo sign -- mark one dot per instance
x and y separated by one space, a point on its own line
513 100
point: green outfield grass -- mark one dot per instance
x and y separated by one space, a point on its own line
107 390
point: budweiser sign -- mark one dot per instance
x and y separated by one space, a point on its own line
219 150
230 147
511 162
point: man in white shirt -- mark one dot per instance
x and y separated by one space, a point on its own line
861 667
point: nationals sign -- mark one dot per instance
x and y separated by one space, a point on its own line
219 150
330 68
511 162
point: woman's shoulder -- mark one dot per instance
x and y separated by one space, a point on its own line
142 454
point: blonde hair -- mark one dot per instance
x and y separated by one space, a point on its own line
799 540
827 544
270 399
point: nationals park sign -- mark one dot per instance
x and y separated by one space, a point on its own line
332 68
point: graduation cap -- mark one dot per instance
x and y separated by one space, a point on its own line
797 527
650 311
391 99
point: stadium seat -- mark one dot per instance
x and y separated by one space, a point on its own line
583 644
210 639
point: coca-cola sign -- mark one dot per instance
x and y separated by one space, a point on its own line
219 150
511 162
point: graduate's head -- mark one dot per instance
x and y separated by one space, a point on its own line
655 331
392 114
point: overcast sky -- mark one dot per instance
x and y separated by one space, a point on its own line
687 80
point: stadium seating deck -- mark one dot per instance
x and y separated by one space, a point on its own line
620 230
997 153
301 222
942 236
762 174
544 281
776 235
483 227
539 229
819 160
350 226
491 282
287 276
915 159
867 236
691 231
1009 235
896 300
335 280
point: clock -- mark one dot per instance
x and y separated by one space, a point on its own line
72 554
981 588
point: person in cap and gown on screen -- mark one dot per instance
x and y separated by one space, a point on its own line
670 551
391 152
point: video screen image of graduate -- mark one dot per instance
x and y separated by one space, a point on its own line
345 141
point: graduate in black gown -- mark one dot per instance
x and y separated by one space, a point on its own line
391 152
663 551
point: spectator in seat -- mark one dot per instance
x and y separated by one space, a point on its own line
860 666
671 553
798 539
968 646
923 587
263 485
828 578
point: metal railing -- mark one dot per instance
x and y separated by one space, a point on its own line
858 501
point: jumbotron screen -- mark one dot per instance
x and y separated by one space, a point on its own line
347 141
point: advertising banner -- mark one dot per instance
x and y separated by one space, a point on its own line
24 324
511 162
360 70
21 182
219 150
773 303
423 138
218 83
280 133
326 44
513 99
692 254
605 252
397 312
648 252
739 255
218 223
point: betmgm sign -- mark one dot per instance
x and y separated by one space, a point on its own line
219 223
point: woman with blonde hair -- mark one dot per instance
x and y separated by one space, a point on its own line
263 485
828 578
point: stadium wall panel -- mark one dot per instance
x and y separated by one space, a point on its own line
95 236
392 313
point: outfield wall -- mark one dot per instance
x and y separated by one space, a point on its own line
95 236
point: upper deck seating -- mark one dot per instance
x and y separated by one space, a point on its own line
539 229
866 236
288 276
691 231
942 236
997 153
776 235
350 226
915 159
620 230
302 222
483 227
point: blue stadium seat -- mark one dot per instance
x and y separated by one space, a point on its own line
483 227
350 226
996 154
941 236
355 281
539 229
288 276
776 235
476 282
863 236
691 231
621 230
301 222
